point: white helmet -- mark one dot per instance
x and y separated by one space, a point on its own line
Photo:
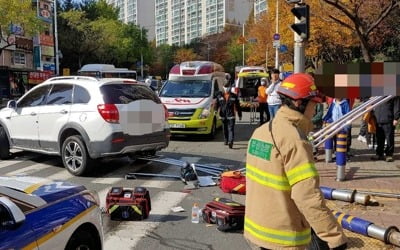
147 82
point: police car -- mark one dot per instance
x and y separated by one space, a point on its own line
37 213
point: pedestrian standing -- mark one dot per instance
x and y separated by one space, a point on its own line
273 99
387 115
284 203
362 135
262 101
227 104
336 110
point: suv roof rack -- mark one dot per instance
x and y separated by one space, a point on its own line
72 78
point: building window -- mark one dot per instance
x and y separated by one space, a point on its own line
19 58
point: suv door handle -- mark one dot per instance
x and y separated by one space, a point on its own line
63 111
33 114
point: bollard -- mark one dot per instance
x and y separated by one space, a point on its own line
328 150
341 149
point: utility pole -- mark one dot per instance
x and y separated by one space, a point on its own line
301 34
277 32
57 62
141 53
243 44
299 50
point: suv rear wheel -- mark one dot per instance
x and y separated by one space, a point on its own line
75 156
4 145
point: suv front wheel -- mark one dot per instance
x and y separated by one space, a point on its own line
75 156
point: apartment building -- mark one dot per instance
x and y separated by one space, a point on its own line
260 7
139 12
178 22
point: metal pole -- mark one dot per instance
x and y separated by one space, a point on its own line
141 53
299 54
56 39
243 44
277 32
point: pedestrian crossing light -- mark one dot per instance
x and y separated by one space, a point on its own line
302 24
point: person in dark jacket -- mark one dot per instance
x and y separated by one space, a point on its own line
227 104
387 115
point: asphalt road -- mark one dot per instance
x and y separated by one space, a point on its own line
164 229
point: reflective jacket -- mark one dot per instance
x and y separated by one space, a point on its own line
283 197
228 106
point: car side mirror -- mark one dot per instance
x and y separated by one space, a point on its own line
12 104
10 214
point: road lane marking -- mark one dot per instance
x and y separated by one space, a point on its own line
128 233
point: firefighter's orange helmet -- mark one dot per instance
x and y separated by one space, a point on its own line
300 86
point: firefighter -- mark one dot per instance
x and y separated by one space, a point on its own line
283 199
227 103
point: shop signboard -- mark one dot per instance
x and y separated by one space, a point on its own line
38 77
49 67
36 57
23 43
46 40
45 11
47 50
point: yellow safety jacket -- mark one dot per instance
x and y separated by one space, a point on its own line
283 197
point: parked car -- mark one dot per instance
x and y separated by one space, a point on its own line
84 118
36 213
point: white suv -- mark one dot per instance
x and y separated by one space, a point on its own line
84 118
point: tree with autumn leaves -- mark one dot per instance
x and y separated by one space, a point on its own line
340 31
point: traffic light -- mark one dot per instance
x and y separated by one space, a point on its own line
302 28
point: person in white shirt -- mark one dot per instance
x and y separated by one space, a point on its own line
273 99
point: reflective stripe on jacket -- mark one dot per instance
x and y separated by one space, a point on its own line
282 185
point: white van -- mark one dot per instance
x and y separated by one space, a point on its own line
189 95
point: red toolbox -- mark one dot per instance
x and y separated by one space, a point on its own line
226 213
128 204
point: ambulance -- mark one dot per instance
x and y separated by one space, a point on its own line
247 81
189 95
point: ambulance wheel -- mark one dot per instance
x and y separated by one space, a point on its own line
75 156
213 131
83 239
4 145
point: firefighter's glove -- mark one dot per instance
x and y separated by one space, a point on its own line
341 247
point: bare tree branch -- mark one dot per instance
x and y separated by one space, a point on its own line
342 23
384 13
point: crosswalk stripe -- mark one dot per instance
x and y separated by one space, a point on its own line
156 184
7 163
30 169
61 175
128 233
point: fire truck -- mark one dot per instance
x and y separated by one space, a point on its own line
189 95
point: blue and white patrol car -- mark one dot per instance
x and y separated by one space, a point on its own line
37 213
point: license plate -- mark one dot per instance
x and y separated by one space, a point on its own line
176 125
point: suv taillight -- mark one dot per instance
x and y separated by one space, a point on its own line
166 114
109 112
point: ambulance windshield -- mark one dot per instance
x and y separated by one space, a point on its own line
187 88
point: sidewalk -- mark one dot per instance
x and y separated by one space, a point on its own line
366 175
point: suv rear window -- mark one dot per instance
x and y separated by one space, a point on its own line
126 93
